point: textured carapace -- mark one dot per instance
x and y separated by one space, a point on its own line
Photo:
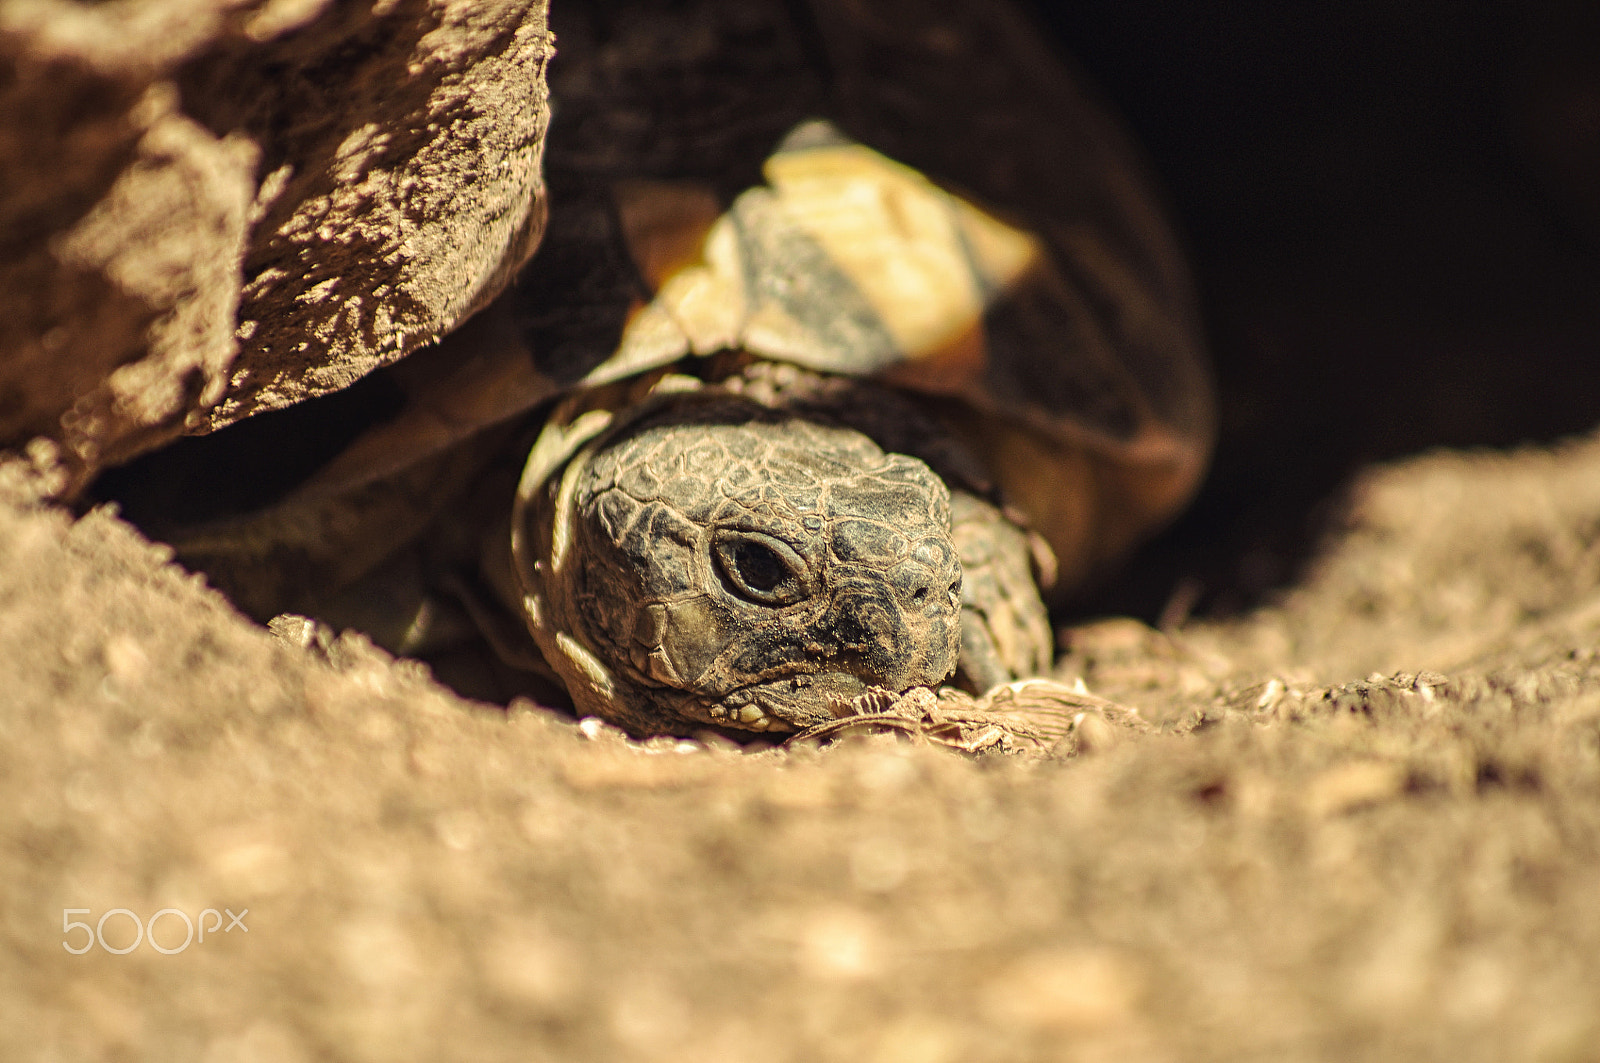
848 262
773 569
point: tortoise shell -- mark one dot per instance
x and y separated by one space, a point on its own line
966 222
847 262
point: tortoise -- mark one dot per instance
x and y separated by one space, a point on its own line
856 337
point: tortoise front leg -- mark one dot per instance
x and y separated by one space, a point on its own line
1005 632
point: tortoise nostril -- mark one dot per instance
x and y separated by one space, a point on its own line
919 595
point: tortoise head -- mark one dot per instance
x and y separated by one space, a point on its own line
753 574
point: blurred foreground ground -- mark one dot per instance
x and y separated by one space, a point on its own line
1366 827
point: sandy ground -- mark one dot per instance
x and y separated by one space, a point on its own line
1366 825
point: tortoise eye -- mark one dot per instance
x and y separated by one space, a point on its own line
759 567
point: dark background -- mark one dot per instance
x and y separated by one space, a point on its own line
1394 216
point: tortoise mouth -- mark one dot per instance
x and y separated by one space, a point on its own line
789 703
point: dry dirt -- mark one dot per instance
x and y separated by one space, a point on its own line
1366 826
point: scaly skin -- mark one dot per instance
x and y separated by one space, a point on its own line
739 567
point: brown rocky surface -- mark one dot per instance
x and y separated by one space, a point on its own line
214 208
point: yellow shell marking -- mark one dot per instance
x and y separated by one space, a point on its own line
927 263
664 223
910 247
707 301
